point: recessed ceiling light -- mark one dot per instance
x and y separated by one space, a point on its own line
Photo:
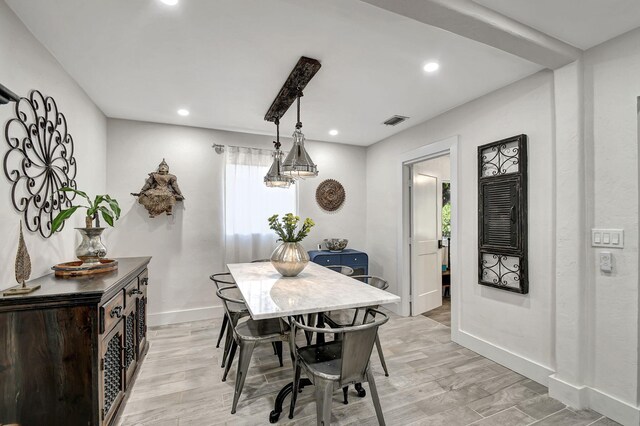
431 67
183 112
170 2
333 132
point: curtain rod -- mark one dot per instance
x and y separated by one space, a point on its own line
220 148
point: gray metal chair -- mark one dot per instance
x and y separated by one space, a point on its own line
337 364
336 319
344 270
247 335
236 311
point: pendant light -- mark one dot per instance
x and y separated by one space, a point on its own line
274 177
298 164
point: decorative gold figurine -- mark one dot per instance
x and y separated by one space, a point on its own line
23 270
160 192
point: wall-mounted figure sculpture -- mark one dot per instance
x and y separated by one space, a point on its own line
160 192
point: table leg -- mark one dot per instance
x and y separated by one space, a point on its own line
320 324
284 392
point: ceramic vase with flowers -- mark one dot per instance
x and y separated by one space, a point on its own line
290 258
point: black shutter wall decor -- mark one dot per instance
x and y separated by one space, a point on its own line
502 214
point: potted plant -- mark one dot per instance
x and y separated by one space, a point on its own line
91 249
290 258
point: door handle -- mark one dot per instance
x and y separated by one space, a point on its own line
513 214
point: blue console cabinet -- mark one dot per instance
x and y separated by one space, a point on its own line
355 259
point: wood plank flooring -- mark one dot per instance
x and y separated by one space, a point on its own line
441 314
433 381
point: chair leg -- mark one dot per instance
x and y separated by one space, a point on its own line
381 356
345 394
296 389
311 319
374 397
227 343
278 346
246 350
324 391
275 349
222 329
232 353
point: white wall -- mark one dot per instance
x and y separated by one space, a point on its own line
612 87
519 324
189 246
27 65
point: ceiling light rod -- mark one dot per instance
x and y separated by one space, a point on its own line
7 96
298 79
298 163
275 178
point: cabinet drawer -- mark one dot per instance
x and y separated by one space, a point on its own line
354 259
131 291
332 259
111 312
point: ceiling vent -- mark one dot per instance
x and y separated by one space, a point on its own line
395 120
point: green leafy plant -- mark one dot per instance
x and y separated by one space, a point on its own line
110 211
446 220
286 230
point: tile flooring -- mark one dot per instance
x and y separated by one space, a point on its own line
441 314
433 381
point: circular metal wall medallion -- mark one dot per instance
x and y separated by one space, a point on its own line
330 195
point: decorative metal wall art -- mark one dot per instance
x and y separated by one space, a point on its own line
23 270
330 195
39 162
160 191
502 206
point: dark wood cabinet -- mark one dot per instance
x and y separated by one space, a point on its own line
69 351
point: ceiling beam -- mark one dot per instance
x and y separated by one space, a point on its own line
479 23
298 79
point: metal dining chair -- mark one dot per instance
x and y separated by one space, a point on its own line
344 270
334 319
336 364
247 335
235 312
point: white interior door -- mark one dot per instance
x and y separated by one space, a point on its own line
426 265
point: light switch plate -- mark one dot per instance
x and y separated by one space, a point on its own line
610 238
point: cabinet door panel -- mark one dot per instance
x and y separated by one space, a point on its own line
130 342
111 372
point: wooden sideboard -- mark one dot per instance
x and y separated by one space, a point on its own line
68 351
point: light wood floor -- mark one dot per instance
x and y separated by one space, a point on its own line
433 381
441 314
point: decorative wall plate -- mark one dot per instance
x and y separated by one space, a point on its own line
39 161
330 195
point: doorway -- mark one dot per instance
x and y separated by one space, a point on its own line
427 248
429 243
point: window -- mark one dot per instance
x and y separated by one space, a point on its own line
249 202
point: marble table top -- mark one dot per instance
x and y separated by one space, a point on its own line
316 289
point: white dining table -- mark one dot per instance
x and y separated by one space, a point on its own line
268 294
316 289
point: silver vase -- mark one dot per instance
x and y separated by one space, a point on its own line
91 249
289 259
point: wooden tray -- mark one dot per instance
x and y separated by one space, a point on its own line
77 268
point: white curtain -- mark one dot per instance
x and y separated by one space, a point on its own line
248 204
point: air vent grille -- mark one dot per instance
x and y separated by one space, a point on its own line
395 120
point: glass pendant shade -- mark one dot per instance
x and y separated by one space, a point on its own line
274 177
298 163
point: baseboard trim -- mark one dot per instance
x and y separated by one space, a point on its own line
567 393
174 317
517 363
613 408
